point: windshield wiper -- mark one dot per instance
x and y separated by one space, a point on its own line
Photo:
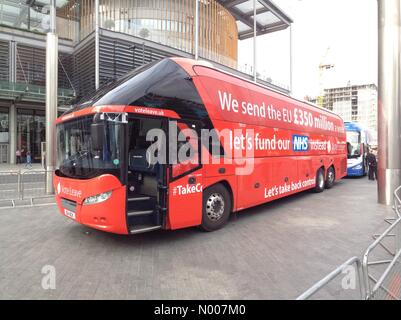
77 156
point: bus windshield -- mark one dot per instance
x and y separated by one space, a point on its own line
354 144
76 157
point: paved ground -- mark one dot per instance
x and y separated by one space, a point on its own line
275 251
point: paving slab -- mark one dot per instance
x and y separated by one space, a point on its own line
274 251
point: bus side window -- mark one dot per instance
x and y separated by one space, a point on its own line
215 147
187 151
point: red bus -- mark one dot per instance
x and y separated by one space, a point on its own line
259 146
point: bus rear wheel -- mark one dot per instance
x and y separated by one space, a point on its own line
319 181
331 178
216 208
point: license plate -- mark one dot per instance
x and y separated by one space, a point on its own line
69 214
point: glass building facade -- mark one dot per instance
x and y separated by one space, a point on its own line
171 23
168 22
33 16
132 33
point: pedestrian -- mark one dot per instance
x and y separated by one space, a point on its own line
28 160
18 156
372 164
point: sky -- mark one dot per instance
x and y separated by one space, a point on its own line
338 32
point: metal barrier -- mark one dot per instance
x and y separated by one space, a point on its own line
376 284
387 283
22 185
10 186
33 185
397 202
333 275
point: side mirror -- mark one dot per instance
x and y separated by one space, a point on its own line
97 135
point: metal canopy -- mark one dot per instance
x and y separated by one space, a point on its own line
18 92
269 17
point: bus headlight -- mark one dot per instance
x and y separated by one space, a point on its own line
98 198
358 167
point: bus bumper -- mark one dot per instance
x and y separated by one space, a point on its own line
356 171
108 215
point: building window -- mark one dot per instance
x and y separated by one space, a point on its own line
31 132
4 126
4 135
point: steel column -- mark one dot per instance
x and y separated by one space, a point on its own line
12 112
12 61
254 41
53 21
97 46
51 98
197 30
389 106
291 60
13 133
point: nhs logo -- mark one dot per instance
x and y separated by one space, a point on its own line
300 143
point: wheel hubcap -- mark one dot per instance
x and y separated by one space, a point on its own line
215 206
331 176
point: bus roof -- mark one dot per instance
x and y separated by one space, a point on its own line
188 65
354 126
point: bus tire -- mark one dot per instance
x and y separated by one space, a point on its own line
330 177
216 207
320 181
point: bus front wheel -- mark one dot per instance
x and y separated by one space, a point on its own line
319 181
216 207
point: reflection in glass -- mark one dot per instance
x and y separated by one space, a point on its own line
77 158
31 132
34 16
169 22
353 144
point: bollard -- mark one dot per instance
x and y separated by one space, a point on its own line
45 180
19 185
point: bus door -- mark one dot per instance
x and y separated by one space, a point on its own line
146 176
185 174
